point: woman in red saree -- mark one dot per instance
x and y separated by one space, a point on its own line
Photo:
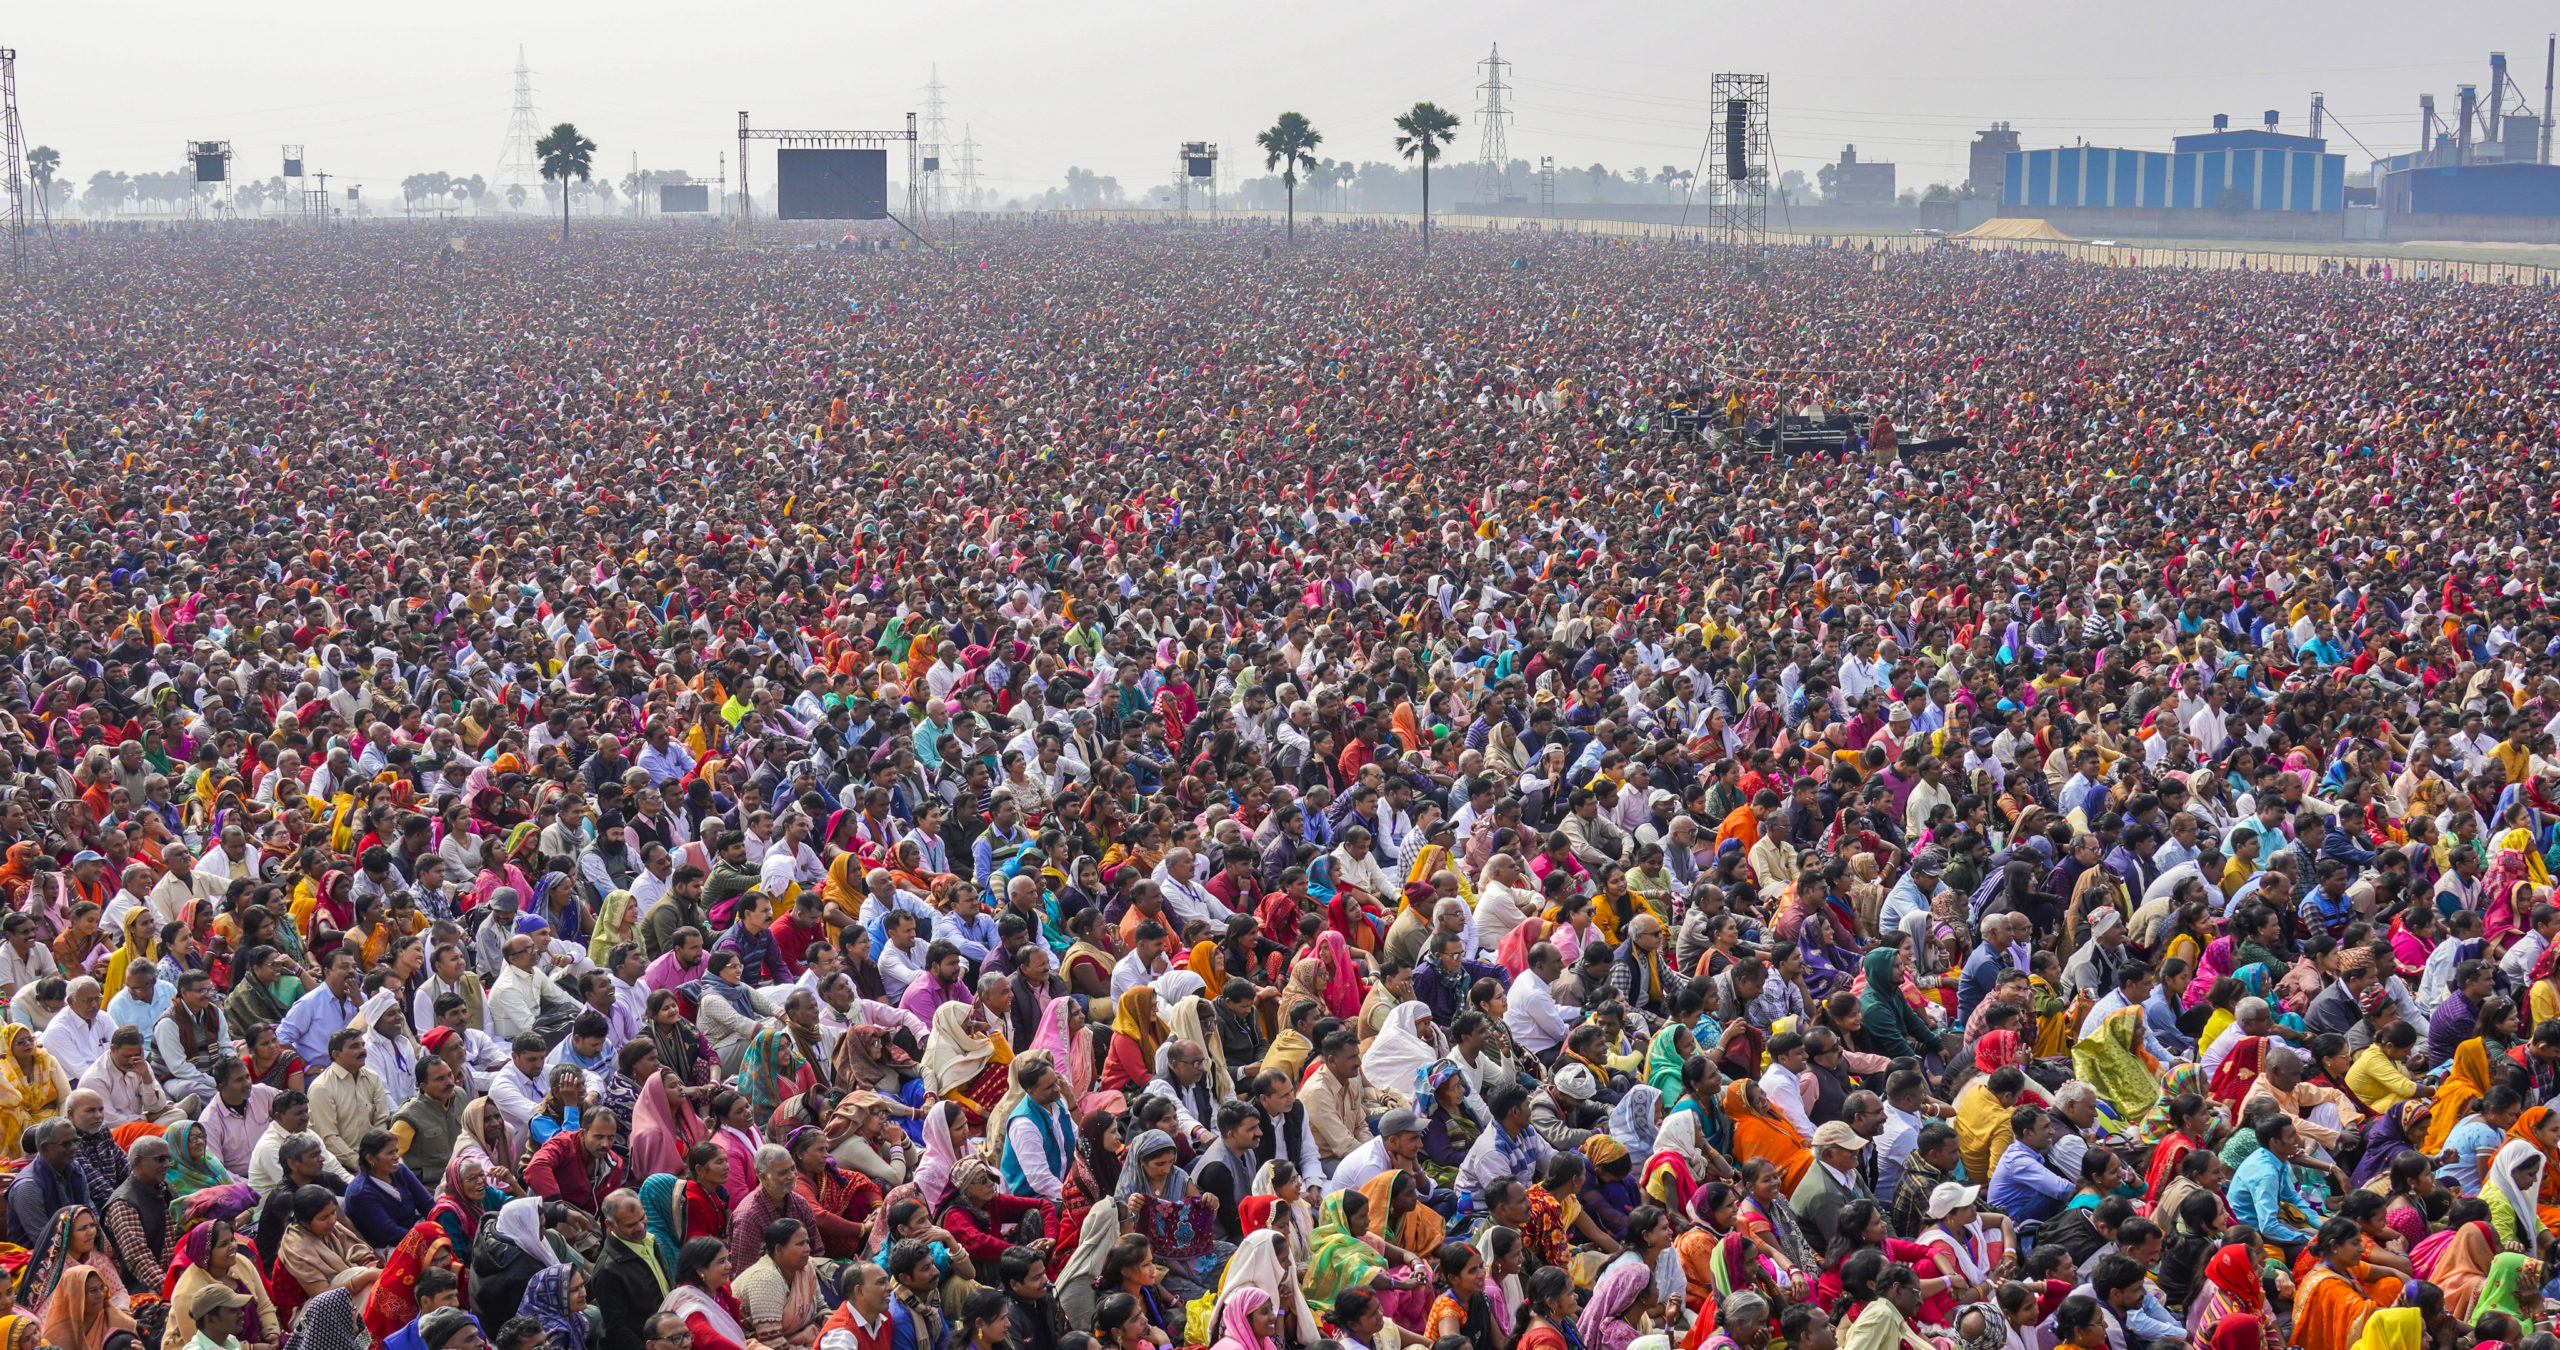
1343 991
706 1193
2239 1071
393 1301
2186 1134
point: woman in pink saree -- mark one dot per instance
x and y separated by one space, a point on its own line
663 1129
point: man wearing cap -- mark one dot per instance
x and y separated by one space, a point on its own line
1397 1146
1832 1181
2094 969
1561 1112
216 1313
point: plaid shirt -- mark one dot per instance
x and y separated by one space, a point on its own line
1910 1211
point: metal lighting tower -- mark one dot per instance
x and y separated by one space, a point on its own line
935 133
1738 161
17 157
1547 186
516 163
1493 159
1197 162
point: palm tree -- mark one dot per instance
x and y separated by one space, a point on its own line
1423 130
43 163
1288 145
565 155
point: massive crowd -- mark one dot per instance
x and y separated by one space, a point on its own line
1105 788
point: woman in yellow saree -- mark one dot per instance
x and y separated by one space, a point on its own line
32 1085
141 943
2114 1060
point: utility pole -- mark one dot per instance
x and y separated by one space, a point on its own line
935 134
1493 158
319 200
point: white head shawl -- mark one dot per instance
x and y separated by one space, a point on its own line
1257 1265
1176 984
520 1222
1399 1053
2520 1196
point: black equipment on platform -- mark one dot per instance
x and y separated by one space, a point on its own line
1737 140
676 198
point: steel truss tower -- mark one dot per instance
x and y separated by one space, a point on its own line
516 163
1738 161
1493 158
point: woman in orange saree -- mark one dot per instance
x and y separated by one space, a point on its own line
2339 1291
1760 1132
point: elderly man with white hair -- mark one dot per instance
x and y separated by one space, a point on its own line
2249 1017
1178 877
1503 903
79 1034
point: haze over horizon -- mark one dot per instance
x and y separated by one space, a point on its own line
1113 86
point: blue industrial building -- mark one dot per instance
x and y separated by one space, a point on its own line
2276 171
2474 190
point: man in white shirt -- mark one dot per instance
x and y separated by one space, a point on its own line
220 864
1502 905
23 960
2543 921
1041 1138
1143 963
516 1091
1783 1081
1177 877
176 884
524 997
901 958
80 1033
1536 1020
289 1117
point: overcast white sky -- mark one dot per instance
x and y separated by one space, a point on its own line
380 91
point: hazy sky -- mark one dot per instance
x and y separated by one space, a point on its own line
378 92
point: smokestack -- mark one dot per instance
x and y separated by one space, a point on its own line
2496 127
2467 99
2319 105
2426 123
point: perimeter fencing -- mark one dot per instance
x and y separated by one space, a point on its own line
1640 233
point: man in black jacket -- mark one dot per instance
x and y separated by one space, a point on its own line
1037 1320
626 1283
